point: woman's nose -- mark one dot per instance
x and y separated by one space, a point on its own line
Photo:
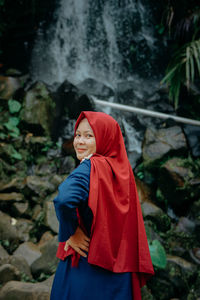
81 140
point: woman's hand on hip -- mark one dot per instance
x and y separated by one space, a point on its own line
79 242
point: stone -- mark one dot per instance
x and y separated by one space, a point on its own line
185 265
11 196
8 272
37 211
8 230
47 263
51 220
15 183
15 290
180 190
144 192
3 253
8 86
46 237
19 263
185 225
38 107
150 209
67 165
155 213
29 251
24 227
39 185
20 208
159 143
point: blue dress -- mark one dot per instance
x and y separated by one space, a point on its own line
85 282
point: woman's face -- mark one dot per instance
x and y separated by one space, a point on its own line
84 141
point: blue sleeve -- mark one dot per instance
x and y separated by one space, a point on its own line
72 193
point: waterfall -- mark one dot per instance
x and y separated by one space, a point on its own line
110 41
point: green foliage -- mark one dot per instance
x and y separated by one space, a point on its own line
158 254
183 69
11 126
14 106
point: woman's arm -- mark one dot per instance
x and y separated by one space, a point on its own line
73 193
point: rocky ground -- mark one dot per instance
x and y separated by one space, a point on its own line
32 166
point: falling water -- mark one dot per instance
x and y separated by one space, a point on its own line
109 41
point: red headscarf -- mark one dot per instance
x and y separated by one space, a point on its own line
118 238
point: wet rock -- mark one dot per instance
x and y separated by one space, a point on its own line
193 137
51 220
180 190
38 108
159 143
156 214
93 87
11 196
8 86
8 272
15 290
29 251
47 263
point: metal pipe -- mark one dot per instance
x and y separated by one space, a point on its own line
147 112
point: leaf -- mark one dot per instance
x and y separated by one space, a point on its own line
14 106
16 154
158 254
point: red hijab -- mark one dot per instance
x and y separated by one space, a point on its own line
118 239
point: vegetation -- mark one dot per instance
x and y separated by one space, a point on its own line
184 30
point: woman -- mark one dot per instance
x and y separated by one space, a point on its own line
103 246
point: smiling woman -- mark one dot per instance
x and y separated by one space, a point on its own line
103 248
84 141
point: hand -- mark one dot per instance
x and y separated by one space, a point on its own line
79 242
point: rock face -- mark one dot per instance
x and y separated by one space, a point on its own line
38 107
158 143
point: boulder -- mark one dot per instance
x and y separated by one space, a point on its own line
29 251
8 86
47 263
181 189
11 196
8 272
24 227
20 264
8 230
185 225
144 192
51 220
16 183
15 290
3 253
162 142
40 185
20 208
38 108
46 237
67 165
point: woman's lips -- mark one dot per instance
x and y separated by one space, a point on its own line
81 150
